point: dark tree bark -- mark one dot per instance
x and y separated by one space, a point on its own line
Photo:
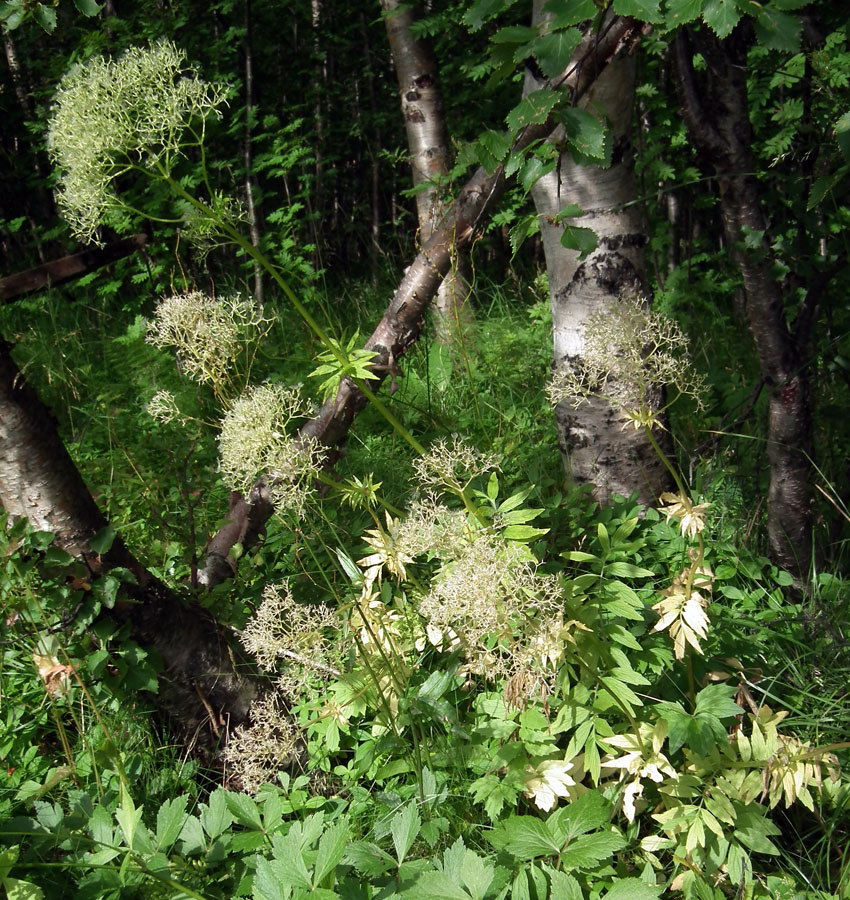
717 117
58 271
402 323
199 690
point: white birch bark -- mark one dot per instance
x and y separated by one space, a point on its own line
596 447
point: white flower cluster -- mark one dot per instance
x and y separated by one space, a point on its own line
269 745
163 407
629 350
110 116
254 442
452 464
207 334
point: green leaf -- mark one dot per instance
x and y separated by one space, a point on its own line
554 50
680 12
589 850
633 889
563 886
644 10
587 813
88 7
753 829
627 570
476 874
482 11
533 170
521 516
355 576
404 828
524 837
102 541
717 700
216 817
244 810
169 821
778 30
331 850
497 144
533 109
368 859
46 17
582 239
435 886
288 863
627 697
266 885
721 16
16 889
587 134
571 12
523 532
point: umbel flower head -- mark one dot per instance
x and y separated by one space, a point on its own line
629 350
254 442
207 334
113 115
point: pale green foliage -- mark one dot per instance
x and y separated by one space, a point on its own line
208 334
270 744
629 351
111 116
254 442
338 362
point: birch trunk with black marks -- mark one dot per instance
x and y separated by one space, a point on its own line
596 447
199 690
401 324
430 154
717 117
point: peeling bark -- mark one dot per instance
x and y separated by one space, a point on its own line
39 481
401 324
596 448
723 139
430 153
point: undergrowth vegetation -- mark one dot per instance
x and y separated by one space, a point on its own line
477 683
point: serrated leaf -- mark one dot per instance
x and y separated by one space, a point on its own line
435 886
88 7
533 109
533 169
497 143
476 874
523 532
266 884
554 50
17 889
288 863
680 12
721 16
404 828
514 34
627 697
571 12
717 700
169 821
216 817
244 810
524 837
102 541
585 133
368 858
587 813
644 10
331 850
633 889
582 239
778 30
482 11
563 886
753 829
521 516
589 850
526 226
46 17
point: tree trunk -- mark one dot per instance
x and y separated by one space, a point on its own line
247 150
199 690
717 118
401 324
430 154
596 448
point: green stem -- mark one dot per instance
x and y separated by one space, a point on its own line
663 457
